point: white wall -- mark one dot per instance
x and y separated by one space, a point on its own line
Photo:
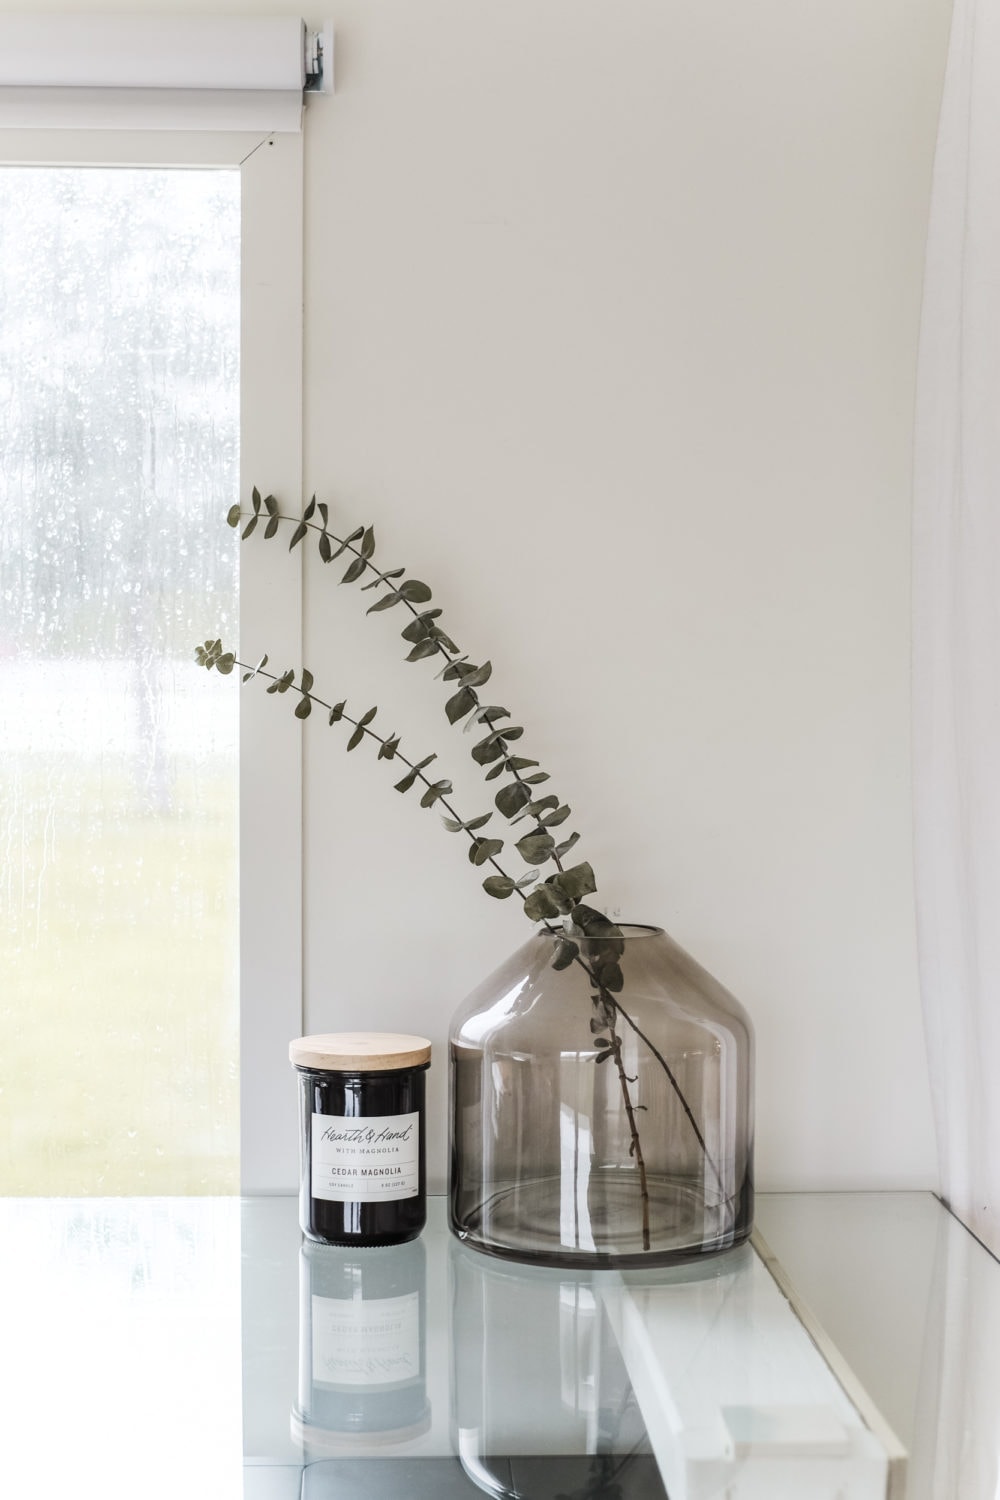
612 319
611 331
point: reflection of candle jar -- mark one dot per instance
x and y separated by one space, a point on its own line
362 1374
361 1141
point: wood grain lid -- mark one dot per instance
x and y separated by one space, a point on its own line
360 1051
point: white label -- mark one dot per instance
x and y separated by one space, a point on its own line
369 1160
366 1343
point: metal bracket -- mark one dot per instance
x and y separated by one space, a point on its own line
319 60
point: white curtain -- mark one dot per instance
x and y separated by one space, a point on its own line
957 626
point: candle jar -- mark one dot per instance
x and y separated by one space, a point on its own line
361 1136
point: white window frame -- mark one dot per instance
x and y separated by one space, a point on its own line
270 755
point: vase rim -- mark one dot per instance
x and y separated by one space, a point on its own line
630 931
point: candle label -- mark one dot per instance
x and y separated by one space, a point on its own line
374 1342
369 1159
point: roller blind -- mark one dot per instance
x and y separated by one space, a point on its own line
162 72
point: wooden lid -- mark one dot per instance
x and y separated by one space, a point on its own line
360 1051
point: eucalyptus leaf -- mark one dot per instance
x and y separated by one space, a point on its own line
541 903
535 848
270 505
255 500
310 510
593 923
356 738
454 826
248 528
386 602
297 535
271 529
349 540
478 676
354 570
435 792
225 663
417 629
413 773
576 882
388 747
566 952
459 704
553 819
306 680
325 549
511 798
487 750
422 650
367 717
233 515
452 670
541 805
482 850
490 714
610 977
303 708
368 542
337 711
500 886
414 592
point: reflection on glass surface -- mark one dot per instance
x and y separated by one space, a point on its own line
120 1349
541 1402
956 1439
693 1382
119 373
362 1347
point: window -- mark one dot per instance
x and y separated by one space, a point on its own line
119 348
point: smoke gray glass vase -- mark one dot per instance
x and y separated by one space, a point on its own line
601 1127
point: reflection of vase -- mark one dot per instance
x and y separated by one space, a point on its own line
541 1403
361 1346
602 1128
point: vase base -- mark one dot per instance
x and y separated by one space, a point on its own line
534 1223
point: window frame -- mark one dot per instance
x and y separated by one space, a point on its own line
270 603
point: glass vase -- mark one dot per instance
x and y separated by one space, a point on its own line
601 1111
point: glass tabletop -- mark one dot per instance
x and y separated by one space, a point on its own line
185 1344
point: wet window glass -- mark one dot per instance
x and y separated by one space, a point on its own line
119 408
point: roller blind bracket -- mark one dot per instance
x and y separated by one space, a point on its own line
319 60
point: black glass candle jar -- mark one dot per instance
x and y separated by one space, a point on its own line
361 1136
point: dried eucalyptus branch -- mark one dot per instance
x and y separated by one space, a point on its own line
587 937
